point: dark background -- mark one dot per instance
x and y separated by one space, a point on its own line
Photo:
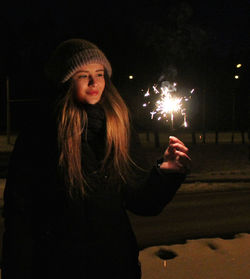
194 43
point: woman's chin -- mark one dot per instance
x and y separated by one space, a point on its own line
90 101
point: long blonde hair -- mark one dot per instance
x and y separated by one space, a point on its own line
72 120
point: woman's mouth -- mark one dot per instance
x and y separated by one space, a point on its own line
92 92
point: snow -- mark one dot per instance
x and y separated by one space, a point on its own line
208 258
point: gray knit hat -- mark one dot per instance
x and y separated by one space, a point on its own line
70 55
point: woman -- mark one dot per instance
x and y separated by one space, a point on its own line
75 172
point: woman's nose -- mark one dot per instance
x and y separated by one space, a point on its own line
92 81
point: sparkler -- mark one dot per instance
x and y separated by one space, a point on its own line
168 104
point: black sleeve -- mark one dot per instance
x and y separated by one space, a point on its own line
150 189
18 238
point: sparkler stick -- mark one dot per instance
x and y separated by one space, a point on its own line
168 104
172 120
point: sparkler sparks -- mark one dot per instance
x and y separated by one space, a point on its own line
168 104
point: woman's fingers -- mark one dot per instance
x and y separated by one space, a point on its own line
177 144
176 156
179 147
182 156
173 139
183 159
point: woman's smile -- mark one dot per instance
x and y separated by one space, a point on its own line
92 92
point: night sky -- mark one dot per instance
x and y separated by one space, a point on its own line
116 28
138 37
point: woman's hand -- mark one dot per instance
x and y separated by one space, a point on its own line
175 157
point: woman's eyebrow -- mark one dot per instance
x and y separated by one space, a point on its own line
84 71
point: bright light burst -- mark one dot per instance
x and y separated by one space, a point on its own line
168 104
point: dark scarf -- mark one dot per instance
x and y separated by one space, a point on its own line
93 138
96 121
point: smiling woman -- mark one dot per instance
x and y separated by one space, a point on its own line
75 172
89 83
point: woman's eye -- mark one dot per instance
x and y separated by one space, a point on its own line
100 75
83 76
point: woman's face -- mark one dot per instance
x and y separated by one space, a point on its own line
89 83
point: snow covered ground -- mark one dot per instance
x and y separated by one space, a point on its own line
213 258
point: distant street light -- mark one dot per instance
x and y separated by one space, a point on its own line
238 65
236 77
131 77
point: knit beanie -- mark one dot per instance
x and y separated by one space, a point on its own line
70 55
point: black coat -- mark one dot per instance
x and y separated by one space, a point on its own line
49 235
